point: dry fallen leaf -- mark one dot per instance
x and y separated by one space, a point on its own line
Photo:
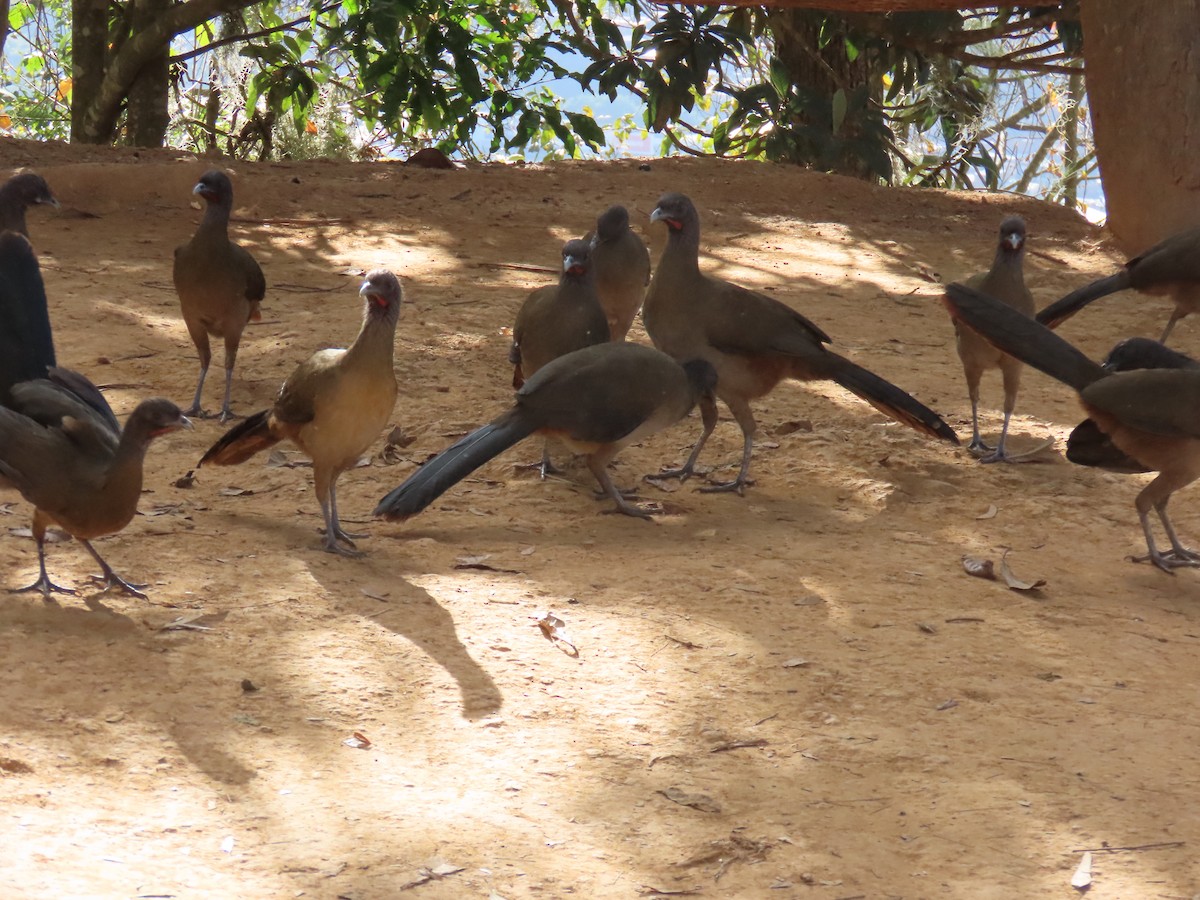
989 513
1013 581
555 631
358 741
702 802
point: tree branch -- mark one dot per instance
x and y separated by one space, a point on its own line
266 32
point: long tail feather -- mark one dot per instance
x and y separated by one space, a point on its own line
242 441
455 463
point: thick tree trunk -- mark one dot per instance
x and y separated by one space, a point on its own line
4 5
1143 80
822 72
148 118
89 49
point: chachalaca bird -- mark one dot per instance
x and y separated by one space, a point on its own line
220 285
75 466
333 406
1005 281
1153 415
18 194
556 319
752 340
1087 445
596 400
26 341
1170 268
622 266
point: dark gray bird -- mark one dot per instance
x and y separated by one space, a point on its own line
622 266
220 285
76 467
596 400
1170 268
753 341
1005 281
557 319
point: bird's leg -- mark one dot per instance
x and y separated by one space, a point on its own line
708 416
111 579
1178 551
1011 370
547 467
336 540
998 455
338 531
599 469
1176 315
977 446
226 412
194 409
43 584
745 419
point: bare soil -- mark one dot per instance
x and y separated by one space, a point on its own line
848 713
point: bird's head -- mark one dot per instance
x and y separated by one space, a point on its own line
30 189
156 417
612 223
676 210
1012 234
214 186
381 290
576 258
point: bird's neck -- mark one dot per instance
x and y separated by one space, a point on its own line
216 217
125 473
375 343
682 253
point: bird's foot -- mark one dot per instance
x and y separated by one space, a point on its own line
227 415
544 468
111 579
1170 561
996 456
683 473
628 509
737 486
626 493
347 537
45 587
346 548
979 448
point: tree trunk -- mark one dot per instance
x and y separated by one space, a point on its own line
148 117
822 73
4 5
1143 80
89 48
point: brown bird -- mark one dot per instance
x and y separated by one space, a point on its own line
78 470
557 319
332 407
752 341
1153 415
18 194
597 400
1170 268
1087 445
1005 281
622 265
220 285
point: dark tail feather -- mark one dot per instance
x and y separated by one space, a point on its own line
889 399
1061 310
26 342
1089 446
454 464
1020 336
242 441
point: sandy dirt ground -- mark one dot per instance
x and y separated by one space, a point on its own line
798 693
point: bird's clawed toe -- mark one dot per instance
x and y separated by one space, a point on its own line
46 588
